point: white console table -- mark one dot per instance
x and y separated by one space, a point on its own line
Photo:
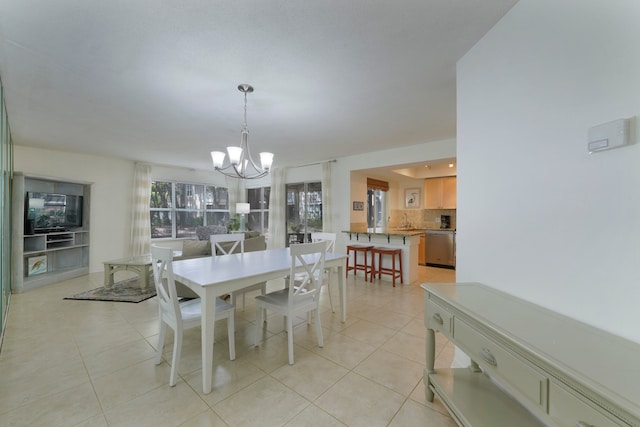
530 366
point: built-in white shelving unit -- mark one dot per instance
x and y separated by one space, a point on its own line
43 258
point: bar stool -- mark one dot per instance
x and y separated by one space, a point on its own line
364 266
379 270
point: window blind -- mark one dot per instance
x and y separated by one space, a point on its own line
376 184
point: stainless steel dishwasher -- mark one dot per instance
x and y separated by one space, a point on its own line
440 248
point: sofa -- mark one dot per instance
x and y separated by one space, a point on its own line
253 241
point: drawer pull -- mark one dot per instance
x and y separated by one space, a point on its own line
438 318
490 359
583 424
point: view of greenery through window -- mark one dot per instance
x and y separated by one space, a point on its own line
304 211
177 208
258 219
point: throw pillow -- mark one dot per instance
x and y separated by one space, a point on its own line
196 248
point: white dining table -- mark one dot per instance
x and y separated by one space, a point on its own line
213 276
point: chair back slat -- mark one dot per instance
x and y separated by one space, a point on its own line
330 238
161 263
218 240
310 257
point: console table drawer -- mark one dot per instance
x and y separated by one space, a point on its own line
501 363
569 410
437 318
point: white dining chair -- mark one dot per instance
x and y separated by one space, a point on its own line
330 239
225 244
181 315
301 296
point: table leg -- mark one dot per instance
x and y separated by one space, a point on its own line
108 276
144 277
343 294
208 300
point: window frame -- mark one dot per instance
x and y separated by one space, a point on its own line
201 210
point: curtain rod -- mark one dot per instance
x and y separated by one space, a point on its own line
311 164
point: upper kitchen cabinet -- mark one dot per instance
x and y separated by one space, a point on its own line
440 193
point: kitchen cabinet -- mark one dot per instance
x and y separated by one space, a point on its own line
440 193
422 253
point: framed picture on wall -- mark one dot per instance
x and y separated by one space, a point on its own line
358 206
412 198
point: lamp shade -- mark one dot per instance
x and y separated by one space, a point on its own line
235 154
218 158
243 208
267 160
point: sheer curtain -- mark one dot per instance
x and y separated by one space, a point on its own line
277 203
237 193
140 219
327 198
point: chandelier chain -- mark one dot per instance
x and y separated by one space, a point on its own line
245 111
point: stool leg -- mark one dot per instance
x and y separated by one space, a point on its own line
401 273
393 269
373 267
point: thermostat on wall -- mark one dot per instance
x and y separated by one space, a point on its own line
609 135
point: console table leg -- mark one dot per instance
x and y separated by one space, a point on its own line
430 351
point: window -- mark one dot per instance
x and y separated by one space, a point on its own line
177 208
376 202
258 199
304 211
376 206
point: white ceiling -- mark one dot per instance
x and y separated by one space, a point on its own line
155 80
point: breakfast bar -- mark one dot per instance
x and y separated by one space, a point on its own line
407 241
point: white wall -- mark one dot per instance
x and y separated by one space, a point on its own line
111 183
538 216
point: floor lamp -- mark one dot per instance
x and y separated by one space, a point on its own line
243 209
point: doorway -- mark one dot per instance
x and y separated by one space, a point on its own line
304 211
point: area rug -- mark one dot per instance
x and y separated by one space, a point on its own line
124 291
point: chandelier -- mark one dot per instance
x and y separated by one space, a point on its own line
241 165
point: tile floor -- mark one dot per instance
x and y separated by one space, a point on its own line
90 363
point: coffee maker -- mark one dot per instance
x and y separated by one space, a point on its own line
445 221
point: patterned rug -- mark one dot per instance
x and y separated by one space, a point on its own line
124 291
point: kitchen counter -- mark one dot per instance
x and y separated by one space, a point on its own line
379 231
384 232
